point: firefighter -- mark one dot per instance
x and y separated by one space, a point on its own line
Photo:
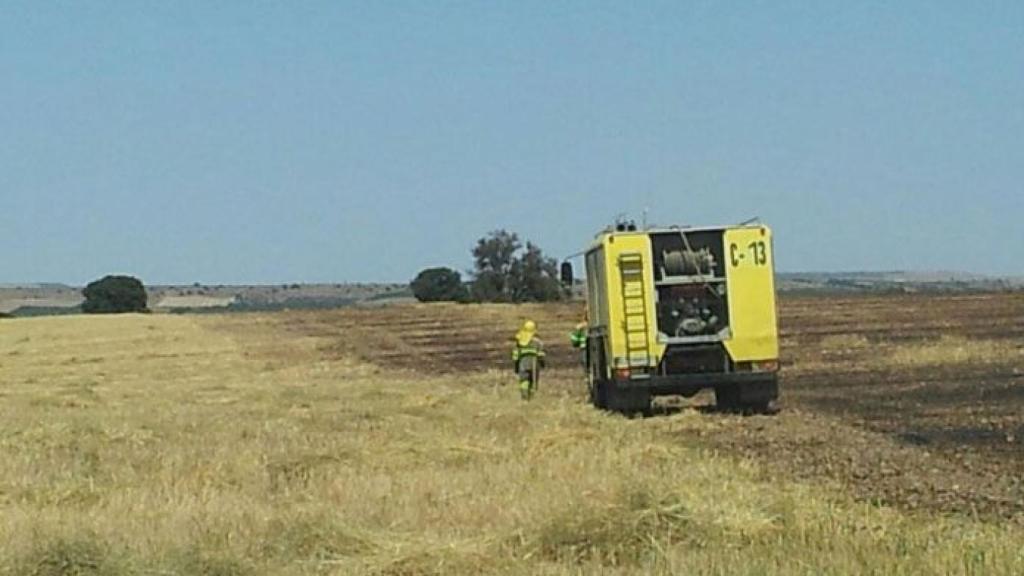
578 339
528 358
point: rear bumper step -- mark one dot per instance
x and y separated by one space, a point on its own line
687 384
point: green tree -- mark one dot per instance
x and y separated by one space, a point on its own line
494 256
114 295
506 272
534 277
439 285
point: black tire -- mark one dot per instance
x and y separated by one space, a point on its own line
599 394
626 400
749 398
646 408
597 375
727 398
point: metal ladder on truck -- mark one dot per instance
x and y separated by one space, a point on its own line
634 309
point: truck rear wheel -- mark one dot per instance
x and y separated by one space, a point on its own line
599 393
626 399
597 373
753 397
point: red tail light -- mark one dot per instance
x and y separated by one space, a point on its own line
766 366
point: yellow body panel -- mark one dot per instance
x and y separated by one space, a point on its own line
606 310
751 282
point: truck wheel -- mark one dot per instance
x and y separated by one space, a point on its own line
759 398
627 401
727 398
641 406
599 394
747 398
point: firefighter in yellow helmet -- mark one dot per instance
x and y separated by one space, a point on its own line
528 358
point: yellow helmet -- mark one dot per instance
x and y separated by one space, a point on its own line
526 333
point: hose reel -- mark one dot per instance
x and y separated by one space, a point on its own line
688 262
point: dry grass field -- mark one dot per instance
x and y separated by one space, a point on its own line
388 442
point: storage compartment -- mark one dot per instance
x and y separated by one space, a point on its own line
689 277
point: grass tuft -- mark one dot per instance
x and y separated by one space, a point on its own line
199 562
315 537
631 529
82 555
955 350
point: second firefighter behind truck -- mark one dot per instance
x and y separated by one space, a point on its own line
528 358
578 340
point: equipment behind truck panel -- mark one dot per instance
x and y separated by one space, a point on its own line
678 310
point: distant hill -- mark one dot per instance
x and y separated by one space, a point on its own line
14 297
894 281
47 299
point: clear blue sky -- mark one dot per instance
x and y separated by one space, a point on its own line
227 142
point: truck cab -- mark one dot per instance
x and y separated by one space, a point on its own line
673 311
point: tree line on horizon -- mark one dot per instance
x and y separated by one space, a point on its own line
505 269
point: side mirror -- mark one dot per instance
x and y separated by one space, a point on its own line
566 273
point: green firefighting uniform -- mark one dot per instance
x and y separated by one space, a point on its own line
578 339
528 359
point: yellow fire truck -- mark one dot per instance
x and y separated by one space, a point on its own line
672 311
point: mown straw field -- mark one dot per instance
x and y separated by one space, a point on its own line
235 445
